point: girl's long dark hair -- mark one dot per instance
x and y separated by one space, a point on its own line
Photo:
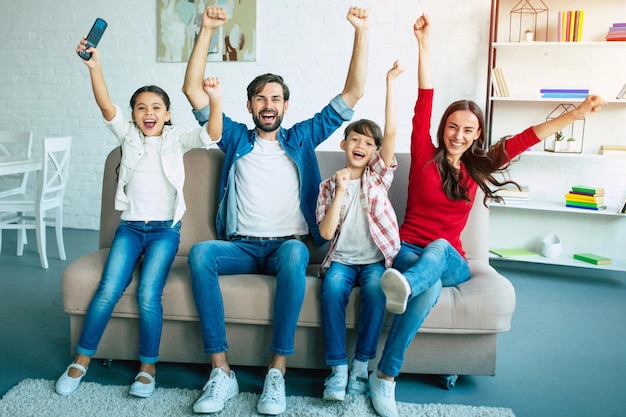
479 163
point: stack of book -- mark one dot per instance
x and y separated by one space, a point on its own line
570 25
585 197
500 83
564 93
617 32
510 193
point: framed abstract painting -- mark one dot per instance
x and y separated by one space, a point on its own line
178 23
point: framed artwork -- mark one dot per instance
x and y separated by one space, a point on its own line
178 23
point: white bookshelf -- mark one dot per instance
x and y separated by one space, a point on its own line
529 66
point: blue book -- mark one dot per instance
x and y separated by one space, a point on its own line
564 90
564 95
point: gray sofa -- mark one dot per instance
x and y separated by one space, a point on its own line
458 337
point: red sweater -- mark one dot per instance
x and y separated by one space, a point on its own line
430 214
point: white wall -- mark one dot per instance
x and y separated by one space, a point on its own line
44 87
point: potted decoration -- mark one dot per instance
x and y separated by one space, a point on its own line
558 140
571 145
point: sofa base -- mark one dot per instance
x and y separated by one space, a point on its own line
466 354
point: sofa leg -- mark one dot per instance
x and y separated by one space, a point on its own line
448 381
107 363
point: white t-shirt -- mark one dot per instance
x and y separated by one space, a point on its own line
355 245
150 194
268 193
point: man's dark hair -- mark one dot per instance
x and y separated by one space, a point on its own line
259 83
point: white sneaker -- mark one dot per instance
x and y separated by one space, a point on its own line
396 289
219 388
67 385
272 400
336 383
358 383
383 396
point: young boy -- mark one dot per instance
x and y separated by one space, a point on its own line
354 211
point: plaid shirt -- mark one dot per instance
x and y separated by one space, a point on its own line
383 223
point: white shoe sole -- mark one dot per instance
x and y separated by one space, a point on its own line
396 289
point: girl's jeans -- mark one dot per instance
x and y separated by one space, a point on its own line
158 242
336 288
427 270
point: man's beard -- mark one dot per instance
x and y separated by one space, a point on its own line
265 127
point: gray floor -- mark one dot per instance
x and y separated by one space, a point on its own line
564 356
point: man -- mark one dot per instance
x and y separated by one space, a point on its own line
268 192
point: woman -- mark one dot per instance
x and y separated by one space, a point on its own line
442 185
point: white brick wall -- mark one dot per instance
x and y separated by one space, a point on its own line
44 87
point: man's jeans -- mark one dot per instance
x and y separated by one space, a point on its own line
336 288
158 242
287 259
427 270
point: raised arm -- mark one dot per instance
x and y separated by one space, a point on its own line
357 71
591 105
212 18
98 85
421 29
329 223
213 91
387 148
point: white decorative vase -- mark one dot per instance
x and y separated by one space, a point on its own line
551 246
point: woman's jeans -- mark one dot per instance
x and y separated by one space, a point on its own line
158 242
336 288
287 259
427 270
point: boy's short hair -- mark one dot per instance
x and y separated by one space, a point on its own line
365 127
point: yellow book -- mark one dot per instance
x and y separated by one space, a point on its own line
580 25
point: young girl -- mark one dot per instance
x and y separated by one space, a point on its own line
353 210
150 196
442 185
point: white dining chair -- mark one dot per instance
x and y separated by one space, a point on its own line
31 209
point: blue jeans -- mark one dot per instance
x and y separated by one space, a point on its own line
287 259
427 270
158 242
336 288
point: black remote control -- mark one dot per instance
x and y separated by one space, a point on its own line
96 32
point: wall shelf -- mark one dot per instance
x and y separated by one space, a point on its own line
563 260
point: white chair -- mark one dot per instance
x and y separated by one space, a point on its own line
31 209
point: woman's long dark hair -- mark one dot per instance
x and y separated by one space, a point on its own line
479 163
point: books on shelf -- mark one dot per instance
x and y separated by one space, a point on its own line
502 87
512 252
570 25
617 32
585 197
593 258
564 93
612 150
510 192
622 92
586 189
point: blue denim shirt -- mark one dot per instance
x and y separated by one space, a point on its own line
299 142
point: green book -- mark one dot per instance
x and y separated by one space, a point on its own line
588 189
510 252
592 258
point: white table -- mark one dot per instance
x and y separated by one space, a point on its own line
17 165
